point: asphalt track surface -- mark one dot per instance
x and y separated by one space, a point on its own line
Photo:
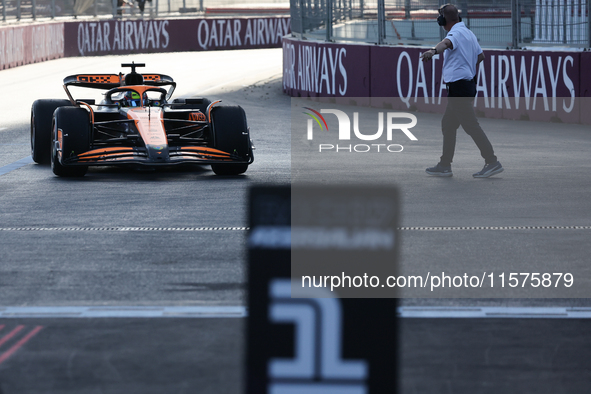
106 241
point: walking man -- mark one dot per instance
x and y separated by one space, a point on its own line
462 56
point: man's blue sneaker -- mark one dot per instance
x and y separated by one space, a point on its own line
489 170
439 170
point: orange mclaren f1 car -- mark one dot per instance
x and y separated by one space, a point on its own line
137 123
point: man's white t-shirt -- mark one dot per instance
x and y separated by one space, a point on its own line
460 61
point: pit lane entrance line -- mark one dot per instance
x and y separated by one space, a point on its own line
423 312
16 165
9 336
4 356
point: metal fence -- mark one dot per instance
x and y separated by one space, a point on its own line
16 10
496 23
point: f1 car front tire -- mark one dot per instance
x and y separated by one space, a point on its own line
231 135
41 117
74 125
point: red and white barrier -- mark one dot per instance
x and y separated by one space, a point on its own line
173 35
34 43
20 45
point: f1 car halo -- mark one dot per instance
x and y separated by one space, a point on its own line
137 124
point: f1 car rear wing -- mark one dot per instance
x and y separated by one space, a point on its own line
110 81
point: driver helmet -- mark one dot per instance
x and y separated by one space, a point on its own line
131 99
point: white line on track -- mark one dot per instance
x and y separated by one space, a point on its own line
121 228
145 312
123 311
494 228
16 165
116 229
495 312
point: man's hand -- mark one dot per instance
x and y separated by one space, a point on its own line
426 56
480 58
439 48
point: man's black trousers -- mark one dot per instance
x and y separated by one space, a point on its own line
460 112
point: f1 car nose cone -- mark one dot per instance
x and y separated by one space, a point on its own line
158 153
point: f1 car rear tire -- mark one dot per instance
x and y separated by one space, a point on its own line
231 135
41 117
74 125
